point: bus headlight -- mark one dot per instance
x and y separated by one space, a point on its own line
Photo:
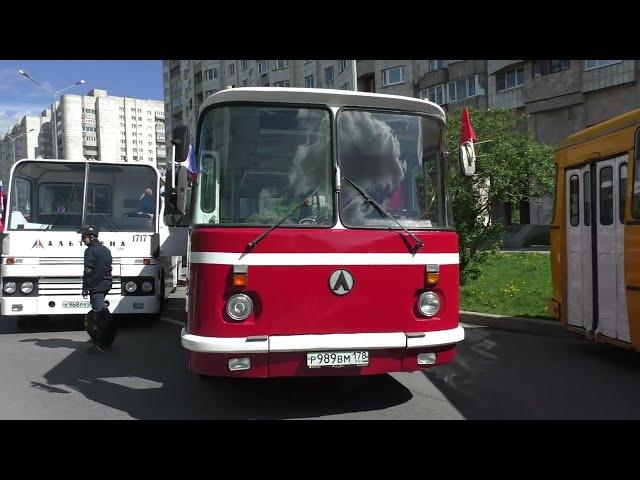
9 287
130 286
429 304
147 287
239 307
26 287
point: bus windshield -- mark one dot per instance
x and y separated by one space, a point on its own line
260 162
396 158
50 196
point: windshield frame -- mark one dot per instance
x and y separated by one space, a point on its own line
447 223
332 141
16 174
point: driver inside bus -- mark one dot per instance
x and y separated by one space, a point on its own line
146 203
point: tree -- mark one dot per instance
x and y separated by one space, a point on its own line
512 167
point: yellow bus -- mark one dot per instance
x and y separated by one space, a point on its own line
595 232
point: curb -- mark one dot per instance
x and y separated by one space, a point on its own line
514 324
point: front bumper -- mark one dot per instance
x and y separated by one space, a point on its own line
285 355
334 341
39 305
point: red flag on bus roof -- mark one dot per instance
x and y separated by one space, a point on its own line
466 130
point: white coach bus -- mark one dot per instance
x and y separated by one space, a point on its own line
42 255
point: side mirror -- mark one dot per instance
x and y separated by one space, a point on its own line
467 156
180 142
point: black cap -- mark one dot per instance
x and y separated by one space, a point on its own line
86 231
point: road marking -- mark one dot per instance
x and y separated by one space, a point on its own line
171 320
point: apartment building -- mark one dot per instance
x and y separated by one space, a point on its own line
101 127
23 140
95 126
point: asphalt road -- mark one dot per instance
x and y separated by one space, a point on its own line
48 371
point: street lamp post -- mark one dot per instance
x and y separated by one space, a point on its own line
13 142
53 95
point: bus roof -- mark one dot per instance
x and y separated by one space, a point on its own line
321 96
84 160
601 129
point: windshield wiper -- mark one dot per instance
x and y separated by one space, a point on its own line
253 243
385 214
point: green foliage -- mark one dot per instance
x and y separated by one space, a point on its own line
513 167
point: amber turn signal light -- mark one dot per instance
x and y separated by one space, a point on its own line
432 274
240 276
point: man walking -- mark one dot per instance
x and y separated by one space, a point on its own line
96 283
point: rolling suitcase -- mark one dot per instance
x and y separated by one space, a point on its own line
101 327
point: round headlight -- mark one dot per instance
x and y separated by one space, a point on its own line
147 287
429 304
130 286
10 287
239 307
26 288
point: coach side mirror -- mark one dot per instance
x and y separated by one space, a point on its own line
180 143
467 157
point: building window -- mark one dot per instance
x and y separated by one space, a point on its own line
590 64
283 83
263 67
244 64
121 117
139 110
434 65
133 110
461 88
434 94
211 73
121 109
328 75
342 65
510 78
133 125
280 64
545 67
123 157
232 69
123 150
393 76
308 81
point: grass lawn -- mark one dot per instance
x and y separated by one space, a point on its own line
515 284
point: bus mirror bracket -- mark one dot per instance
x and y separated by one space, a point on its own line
467 157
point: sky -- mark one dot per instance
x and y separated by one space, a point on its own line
122 78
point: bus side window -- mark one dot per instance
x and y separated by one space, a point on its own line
606 196
587 198
635 204
622 189
574 200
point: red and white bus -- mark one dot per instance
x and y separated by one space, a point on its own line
321 239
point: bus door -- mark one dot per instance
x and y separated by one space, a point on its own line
578 227
611 177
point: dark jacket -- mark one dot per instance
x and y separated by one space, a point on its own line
97 268
146 205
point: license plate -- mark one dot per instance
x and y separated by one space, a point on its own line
337 359
76 304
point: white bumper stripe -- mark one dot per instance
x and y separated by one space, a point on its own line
283 259
298 343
